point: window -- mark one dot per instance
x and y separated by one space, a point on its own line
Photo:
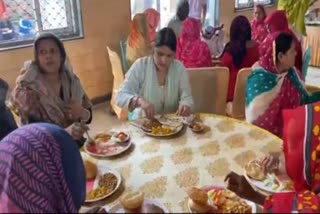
242 4
167 9
22 20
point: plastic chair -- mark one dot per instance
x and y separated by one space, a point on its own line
118 78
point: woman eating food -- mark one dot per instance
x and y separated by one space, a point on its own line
301 151
158 83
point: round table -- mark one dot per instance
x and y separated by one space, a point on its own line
164 168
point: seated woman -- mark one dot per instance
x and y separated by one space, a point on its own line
240 52
158 83
259 28
47 168
301 151
153 19
47 90
274 84
138 43
277 21
191 51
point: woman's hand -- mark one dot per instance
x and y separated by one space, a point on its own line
75 112
239 185
184 111
77 130
147 107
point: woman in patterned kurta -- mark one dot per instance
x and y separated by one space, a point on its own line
302 160
275 84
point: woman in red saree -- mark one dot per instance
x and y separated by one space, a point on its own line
302 160
278 21
191 51
153 18
258 27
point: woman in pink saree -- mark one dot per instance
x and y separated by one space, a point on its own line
191 51
258 27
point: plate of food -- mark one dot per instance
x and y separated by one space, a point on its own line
162 127
102 181
108 144
268 182
134 202
219 200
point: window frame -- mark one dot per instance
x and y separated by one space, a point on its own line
65 34
249 6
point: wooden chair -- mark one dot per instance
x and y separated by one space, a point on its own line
209 89
236 109
312 88
118 78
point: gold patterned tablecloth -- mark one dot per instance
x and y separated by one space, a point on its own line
164 168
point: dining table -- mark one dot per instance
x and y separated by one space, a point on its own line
164 168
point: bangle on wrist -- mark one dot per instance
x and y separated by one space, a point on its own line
85 115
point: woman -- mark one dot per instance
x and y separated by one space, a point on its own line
259 29
277 21
275 84
158 83
301 151
138 43
41 171
47 90
153 18
191 51
240 52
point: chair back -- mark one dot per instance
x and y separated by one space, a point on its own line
209 89
118 78
239 98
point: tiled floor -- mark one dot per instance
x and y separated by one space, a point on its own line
103 120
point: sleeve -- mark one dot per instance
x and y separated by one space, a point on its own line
25 100
292 202
130 88
185 89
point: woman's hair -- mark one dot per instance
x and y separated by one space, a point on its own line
261 7
166 37
283 43
55 39
240 33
